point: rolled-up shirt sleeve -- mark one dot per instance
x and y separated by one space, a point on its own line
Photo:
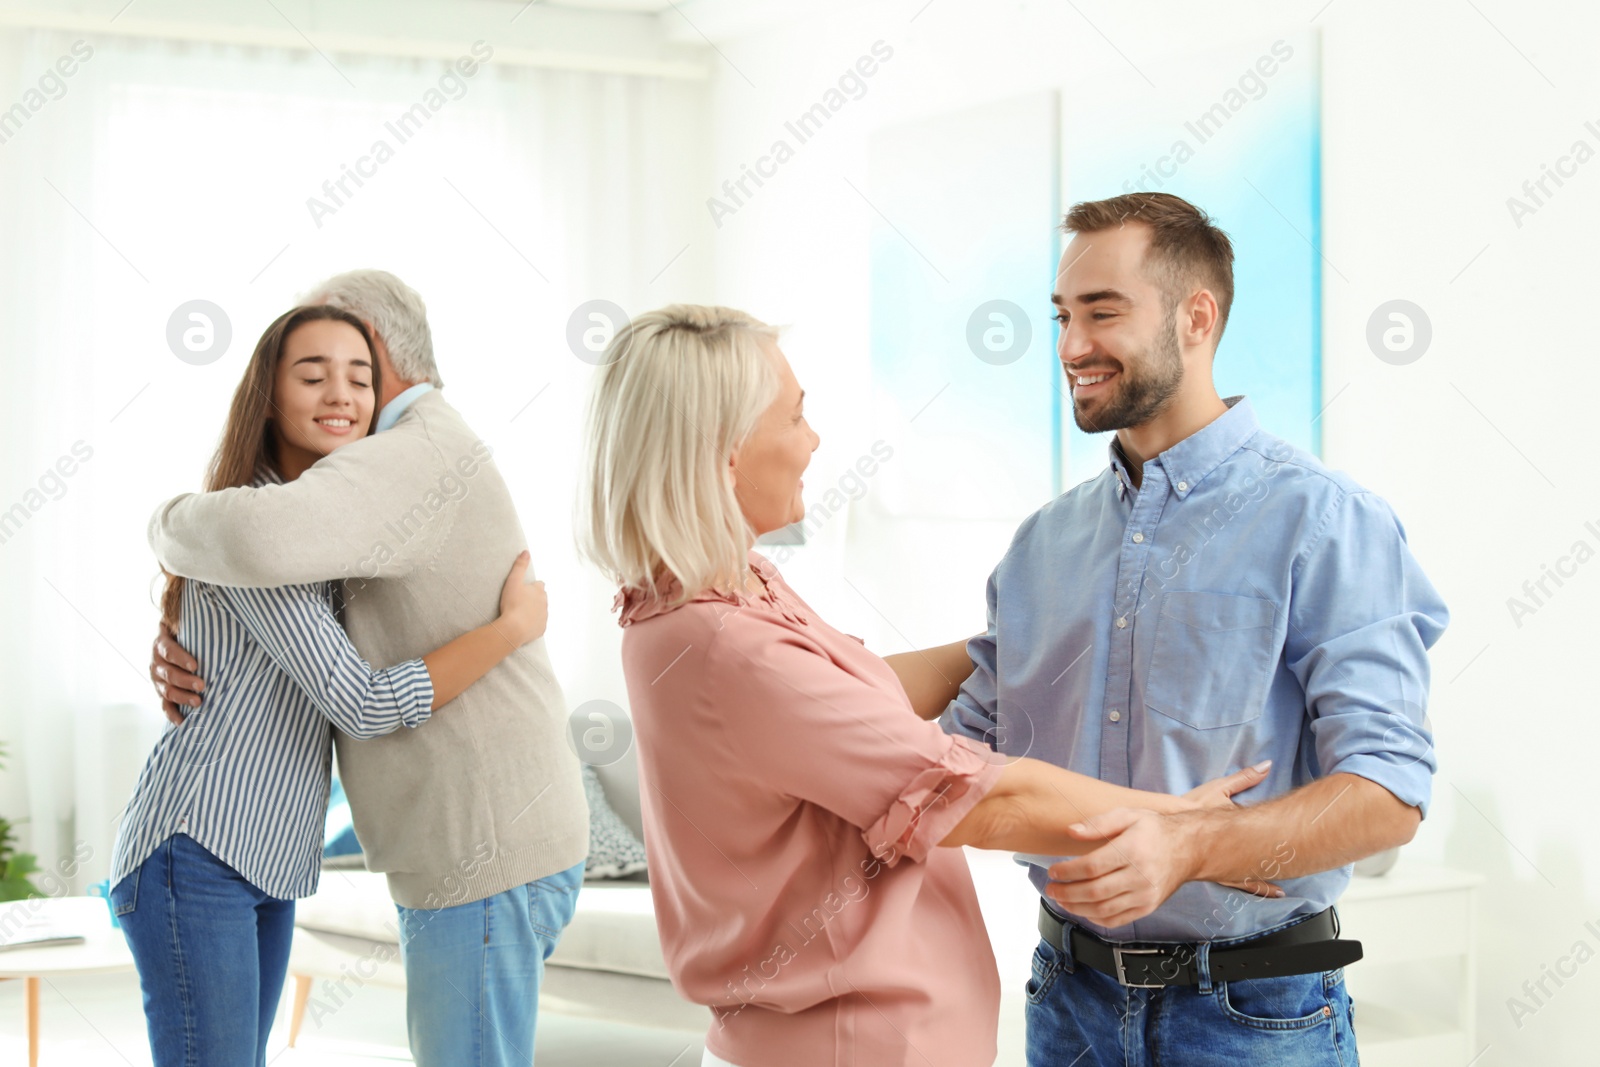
815 731
296 627
1361 620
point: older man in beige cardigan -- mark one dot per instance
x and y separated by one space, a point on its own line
477 818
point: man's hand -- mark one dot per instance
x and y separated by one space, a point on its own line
172 673
1145 858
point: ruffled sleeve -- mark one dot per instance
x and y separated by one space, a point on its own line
934 802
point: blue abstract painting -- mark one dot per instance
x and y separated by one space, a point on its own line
965 242
963 246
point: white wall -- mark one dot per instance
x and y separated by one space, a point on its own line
1434 113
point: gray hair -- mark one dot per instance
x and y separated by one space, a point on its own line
395 312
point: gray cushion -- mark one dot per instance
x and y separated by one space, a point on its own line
614 850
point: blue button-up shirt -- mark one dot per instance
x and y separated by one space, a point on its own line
1242 603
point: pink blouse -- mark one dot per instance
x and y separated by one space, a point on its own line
793 804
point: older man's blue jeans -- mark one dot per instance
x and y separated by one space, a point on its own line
473 972
1078 1017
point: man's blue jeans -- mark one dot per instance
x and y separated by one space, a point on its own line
211 950
473 972
1080 1017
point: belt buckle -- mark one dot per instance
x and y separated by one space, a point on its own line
1117 953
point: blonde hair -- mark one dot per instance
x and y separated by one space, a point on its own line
679 389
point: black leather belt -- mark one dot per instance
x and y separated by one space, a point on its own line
1304 948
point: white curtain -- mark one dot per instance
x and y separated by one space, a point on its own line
160 173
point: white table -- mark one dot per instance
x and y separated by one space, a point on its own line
103 951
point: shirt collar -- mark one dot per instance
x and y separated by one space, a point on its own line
395 408
266 474
1191 460
1119 467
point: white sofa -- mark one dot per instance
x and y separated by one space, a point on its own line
608 964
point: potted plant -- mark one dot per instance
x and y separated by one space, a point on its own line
15 867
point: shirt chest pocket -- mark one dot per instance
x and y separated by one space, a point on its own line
1212 658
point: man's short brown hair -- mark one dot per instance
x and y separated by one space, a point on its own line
1187 251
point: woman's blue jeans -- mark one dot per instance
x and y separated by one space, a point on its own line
212 951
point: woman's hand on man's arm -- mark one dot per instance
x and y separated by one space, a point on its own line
524 613
1034 804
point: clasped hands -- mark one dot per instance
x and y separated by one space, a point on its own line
1145 855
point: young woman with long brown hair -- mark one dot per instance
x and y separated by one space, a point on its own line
224 830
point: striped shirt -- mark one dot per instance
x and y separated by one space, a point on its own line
246 774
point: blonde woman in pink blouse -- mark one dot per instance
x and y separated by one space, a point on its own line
801 816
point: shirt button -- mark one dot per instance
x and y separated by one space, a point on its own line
1138 538
1116 716
1122 622
1183 487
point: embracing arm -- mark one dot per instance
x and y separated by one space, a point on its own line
1322 825
838 741
932 677
296 628
368 510
1032 806
523 615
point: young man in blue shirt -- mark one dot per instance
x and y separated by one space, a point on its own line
1215 597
